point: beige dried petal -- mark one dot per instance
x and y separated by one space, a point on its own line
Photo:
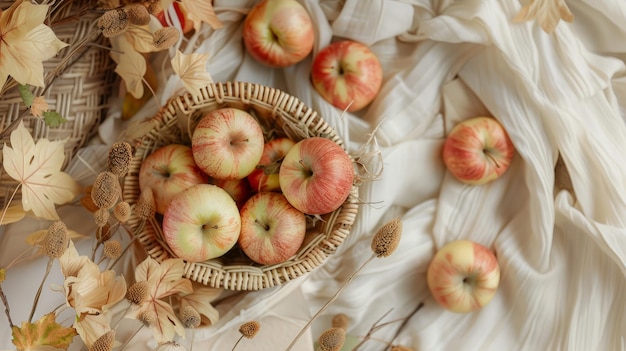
121 211
387 239
39 106
332 339
104 342
113 22
120 156
249 329
547 13
138 292
56 240
106 190
340 320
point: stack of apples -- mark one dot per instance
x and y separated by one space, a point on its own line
232 186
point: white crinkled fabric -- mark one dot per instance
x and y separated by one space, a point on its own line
556 219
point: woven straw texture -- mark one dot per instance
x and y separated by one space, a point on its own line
79 81
276 111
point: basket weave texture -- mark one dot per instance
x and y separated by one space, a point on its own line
79 81
282 115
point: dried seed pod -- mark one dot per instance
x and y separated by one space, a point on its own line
121 211
145 207
190 317
121 153
112 249
332 339
249 329
113 22
340 320
55 241
386 240
165 37
101 217
147 317
106 190
137 14
104 342
138 292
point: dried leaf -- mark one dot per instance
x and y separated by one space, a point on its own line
200 299
141 39
164 279
547 13
44 335
26 43
131 65
26 95
51 118
192 71
38 169
199 11
131 105
13 214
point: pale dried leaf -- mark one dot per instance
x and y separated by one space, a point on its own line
199 11
200 299
547 13
141 39
39 106
26 43
131 65
192 71
13 214
38 169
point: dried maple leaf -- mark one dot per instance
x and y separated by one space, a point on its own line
199 11
164 279
25 42
14 213
44 335
131 65
192 71
200 299
548 13
38 169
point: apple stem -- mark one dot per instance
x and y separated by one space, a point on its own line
490 156
265 226
306 168
235 142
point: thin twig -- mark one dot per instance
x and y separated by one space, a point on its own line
332 299
48 268
404 323
7 310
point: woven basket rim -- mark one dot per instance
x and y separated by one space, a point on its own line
279 106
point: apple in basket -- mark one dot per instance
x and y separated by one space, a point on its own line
478 150
347 74
201 223
463 276
316 175
227 143
278 33
168 171
238 189
271 229
265 175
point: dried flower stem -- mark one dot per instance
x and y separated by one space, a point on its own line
6 208
36 302
131 337
404 323
237 343
7 310
331 300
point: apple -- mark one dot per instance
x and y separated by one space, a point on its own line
271 229
238 189
478 150
265 175
201 223
347 74
463 276
278 33
316 175
169 170
178 9
227 143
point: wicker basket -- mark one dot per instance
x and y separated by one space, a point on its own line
79 81
276 110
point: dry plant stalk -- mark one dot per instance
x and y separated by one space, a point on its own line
384 243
